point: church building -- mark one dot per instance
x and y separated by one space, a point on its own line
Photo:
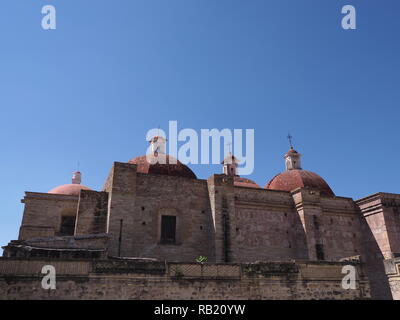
152 210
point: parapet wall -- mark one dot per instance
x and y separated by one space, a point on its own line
120 279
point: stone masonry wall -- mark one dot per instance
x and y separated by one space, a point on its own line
260 225
187 199
137 202
380 221
21 279
266 227
92 213
43 212
340 228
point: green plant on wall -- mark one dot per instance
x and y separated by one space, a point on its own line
201 259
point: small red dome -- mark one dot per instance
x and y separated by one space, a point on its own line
69 189
176 168
293 179
243 182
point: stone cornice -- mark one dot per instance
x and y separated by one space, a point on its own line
48 196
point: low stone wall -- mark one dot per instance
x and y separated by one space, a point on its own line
115 279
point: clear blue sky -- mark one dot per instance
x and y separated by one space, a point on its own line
112 70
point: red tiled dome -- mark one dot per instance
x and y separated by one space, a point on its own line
243 182
176 168
293 179
69 189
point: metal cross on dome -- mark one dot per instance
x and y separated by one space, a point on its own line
290 137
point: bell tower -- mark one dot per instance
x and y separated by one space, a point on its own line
292 157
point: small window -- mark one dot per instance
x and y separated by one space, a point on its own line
168 229
320 251
67 226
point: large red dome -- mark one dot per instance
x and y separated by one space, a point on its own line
69 189
176 168
298 178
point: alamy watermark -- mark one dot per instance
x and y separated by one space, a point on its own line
349 281
349 20
49 21
49 280
203 148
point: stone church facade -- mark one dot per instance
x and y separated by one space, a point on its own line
149 212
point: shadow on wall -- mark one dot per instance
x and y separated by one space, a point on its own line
380 288
299 238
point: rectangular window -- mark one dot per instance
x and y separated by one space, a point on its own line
320 251
168 229
67 226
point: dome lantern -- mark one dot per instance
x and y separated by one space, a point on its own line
72 189
292 160
292 157
230 168
76 177
230 165
157 145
